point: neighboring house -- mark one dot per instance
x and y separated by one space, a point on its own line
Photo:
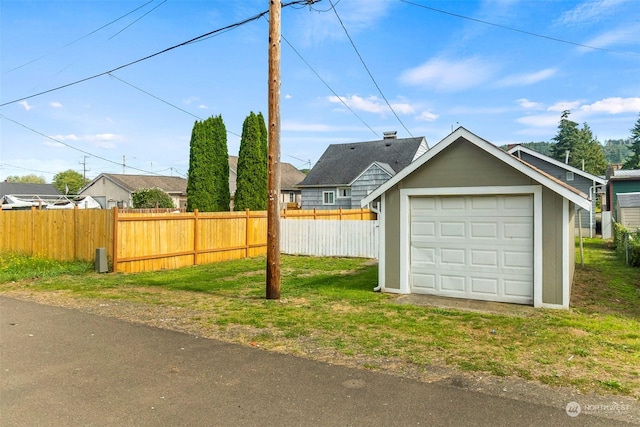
346 173
290 176
111 190
28 194
469 220
621 181
629 210
589 184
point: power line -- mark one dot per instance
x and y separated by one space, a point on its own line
235 25
327 85
163 2
367 68
81 38
71 146
529 33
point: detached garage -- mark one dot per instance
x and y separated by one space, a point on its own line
469 220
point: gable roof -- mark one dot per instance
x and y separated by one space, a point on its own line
18 188
131 183
557 163
340 164
565 190
290 176
629 200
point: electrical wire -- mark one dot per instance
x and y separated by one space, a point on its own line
163 2
71 146
78 39
235 25
367 68
529 33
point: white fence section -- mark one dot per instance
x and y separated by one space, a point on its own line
329 238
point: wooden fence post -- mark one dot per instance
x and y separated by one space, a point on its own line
196 230
33 229
246 233
115 239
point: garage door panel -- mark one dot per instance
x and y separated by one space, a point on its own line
477 247
484 285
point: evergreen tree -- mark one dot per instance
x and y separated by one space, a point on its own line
633 162
251 184
208 181
566 139
589 150
581 145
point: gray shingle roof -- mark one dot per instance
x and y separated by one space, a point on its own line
629 200
168 184
340 164
30 189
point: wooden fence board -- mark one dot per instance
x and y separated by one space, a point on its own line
152 241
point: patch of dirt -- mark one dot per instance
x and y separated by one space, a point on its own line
194 322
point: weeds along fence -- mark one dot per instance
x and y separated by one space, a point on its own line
150 241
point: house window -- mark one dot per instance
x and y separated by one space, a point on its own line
328 198
292 197
569 176
344 192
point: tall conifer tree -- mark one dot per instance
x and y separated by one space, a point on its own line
251 184
208 182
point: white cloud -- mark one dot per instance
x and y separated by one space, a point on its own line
539 120
356 15
613 106
70 137
104 140
529 105
55 104
203 107
618 36
564 105
287 96
371 104
427 116
589 11
528 79
448 75
26 105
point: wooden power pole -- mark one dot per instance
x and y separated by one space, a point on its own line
273 182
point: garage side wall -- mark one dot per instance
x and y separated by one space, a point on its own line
552 254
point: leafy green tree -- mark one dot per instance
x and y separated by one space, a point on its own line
26 179
69 180
617 150
541 147
633 162
146 198
251 184
208 180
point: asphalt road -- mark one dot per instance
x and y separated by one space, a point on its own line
61 367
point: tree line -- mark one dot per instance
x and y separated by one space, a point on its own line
578 147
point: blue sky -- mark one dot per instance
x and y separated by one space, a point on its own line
505 70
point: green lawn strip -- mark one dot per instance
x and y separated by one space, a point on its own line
328 306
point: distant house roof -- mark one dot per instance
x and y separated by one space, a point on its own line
290 176
513 150
626 173
16 188
629 200
131 183
340 164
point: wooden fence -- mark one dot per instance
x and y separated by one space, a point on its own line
147 241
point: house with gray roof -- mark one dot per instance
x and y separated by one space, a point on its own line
111 190
347 173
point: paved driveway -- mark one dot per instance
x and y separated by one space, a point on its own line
63 367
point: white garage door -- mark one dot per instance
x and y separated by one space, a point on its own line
478 247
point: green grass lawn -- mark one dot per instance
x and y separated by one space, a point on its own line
328 310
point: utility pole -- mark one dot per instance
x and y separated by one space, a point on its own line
84 167
273 160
